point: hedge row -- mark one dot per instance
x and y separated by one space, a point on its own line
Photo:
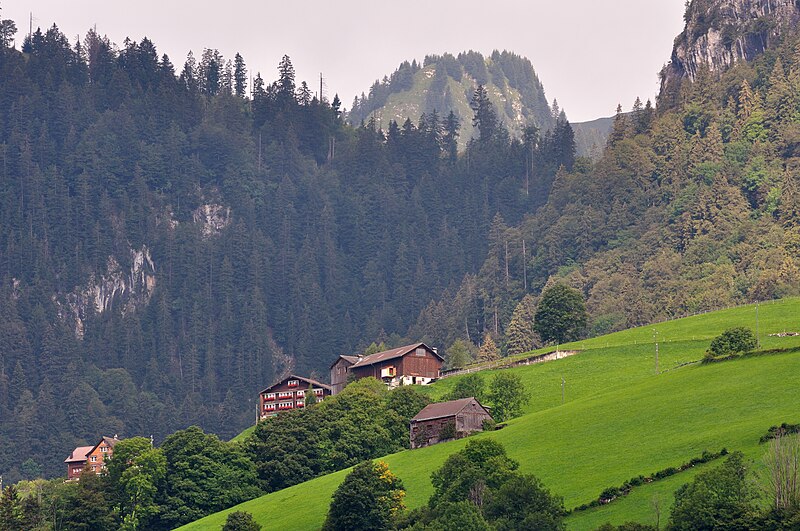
612 493
779 431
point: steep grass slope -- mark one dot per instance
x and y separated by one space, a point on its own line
619 419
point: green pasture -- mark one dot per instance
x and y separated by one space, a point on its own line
619 419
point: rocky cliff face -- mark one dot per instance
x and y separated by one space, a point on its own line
720 33
115 288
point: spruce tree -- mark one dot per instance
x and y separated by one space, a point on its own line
520 334
488 351
239 76
484 118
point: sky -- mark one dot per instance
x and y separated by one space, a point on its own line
589 54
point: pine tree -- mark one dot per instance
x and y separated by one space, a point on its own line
484 118
620 127
488 351
520 334
781 103
285 83
450 139
239 76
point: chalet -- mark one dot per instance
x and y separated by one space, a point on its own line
447 420
289 393
408 365
92 457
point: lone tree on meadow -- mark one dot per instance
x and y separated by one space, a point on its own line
508 395
732 341
368 499
561 315
241 521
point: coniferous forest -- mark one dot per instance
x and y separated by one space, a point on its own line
172 239
171 244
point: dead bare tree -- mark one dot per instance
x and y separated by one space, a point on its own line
782 464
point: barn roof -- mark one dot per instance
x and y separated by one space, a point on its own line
444 409
301 378
78 454
398 352
351 359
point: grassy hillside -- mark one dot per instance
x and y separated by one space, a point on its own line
619 419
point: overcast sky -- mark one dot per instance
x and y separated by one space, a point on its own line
589 54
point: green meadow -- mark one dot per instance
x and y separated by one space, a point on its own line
619 418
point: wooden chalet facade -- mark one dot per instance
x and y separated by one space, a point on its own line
92 457
447 420
408 365
340 372
289 393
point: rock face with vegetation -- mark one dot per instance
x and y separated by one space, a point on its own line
720 33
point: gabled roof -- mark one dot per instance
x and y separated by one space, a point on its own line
386 355
350 359
301 378
445 409
79 454
111 441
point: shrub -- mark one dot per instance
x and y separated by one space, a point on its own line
241 521
779 431
369 498
489 425
448 431
732 341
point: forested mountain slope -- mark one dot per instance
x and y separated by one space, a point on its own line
445 83
168 246
690 208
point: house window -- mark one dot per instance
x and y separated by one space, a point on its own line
318 392
94 468
94 459
420 352
104 449
293 383
301 394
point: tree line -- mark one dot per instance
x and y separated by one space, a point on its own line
324 237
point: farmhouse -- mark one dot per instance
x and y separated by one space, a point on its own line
94 457
289 393
408 365
447 420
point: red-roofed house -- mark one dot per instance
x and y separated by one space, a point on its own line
447 420
93 457
288 394
408 365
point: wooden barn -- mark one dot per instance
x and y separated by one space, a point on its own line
447 420
409 365
340 372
